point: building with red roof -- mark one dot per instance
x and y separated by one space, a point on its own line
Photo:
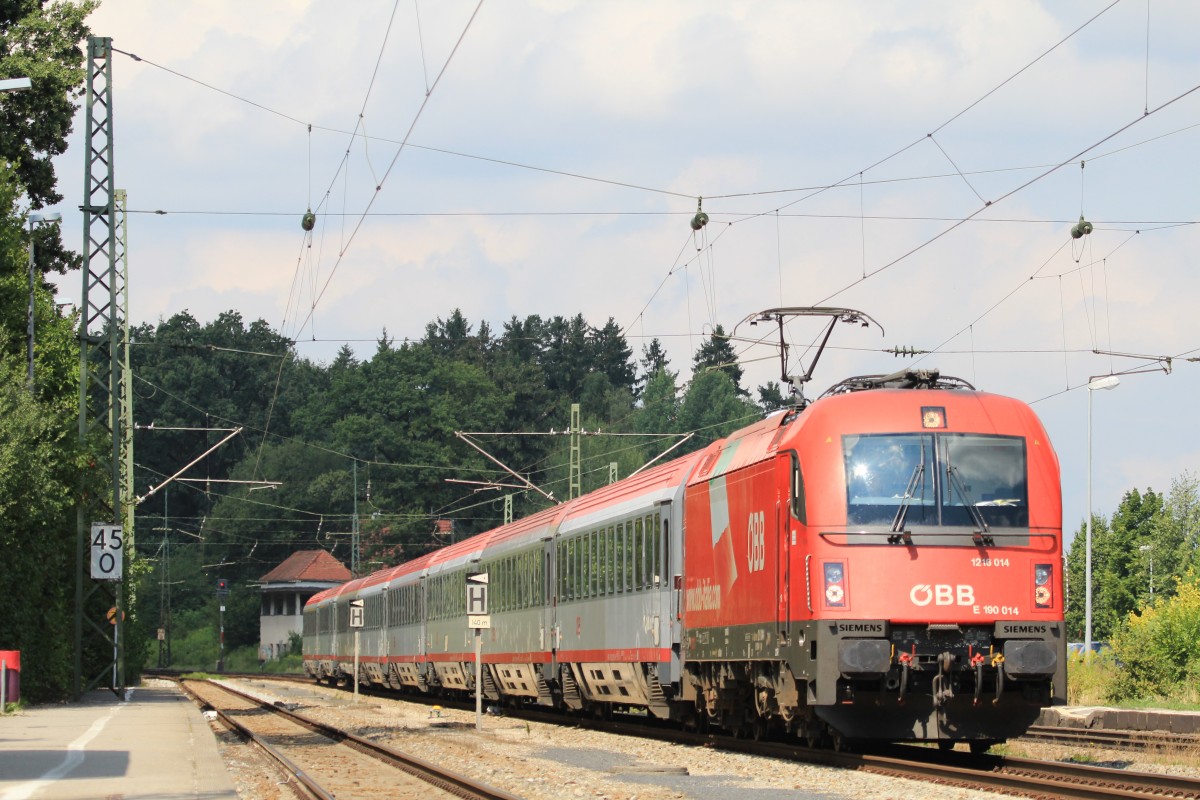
286 589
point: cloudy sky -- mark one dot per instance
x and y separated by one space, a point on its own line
922 162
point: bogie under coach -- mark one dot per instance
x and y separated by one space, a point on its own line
882 564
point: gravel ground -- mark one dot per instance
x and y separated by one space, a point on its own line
535 761
550 762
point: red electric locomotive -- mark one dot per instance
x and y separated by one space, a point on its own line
881 564
885 564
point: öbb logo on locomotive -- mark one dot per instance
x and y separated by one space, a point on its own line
756 542
942 594
875 507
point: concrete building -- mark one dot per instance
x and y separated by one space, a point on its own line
285 590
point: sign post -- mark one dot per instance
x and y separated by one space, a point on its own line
356 622
477 618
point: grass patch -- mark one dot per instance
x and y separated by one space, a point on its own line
1090 679
1094 682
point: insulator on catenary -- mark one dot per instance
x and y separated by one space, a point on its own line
1081 228
309 220
701 219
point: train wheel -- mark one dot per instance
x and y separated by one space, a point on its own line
980 746
945 744
758 729
813 737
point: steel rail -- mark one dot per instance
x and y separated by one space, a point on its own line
444 779
1114 739
313 788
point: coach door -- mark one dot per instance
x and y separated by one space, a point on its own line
547 638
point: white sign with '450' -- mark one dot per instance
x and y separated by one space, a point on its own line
756 541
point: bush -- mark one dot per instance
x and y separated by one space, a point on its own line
1160 649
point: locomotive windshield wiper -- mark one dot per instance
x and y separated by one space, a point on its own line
982 529
906 500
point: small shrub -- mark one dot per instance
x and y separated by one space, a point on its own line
1159 649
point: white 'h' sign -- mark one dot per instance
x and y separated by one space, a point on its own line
477 599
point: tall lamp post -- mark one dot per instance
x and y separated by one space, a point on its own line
34 219
1096 383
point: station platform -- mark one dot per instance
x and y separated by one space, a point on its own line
153 744
1121 719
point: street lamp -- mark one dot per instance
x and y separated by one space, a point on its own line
53 216
1094 384
15 84
1150 554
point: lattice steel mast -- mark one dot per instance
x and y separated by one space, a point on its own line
102 341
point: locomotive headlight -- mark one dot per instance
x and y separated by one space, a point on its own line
1043 594
835 584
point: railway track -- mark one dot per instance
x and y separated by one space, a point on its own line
1114 740
326 762
1017 776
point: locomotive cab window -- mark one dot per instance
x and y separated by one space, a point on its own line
799 512
916 480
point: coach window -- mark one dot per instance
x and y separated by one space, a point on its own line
568 592
612 580
534 596
594 570
602 562
589 554
639 554
560 569
575 547
569 570
566 570
578 568
510 584
602 556
656 554
627 560
610 555
521 584
619 563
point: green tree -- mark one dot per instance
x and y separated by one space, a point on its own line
612 357
1173 546
1076 577
1118 579
660 403
1119 575
713 408
566 357
38 476
42 41
717 353
770 397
